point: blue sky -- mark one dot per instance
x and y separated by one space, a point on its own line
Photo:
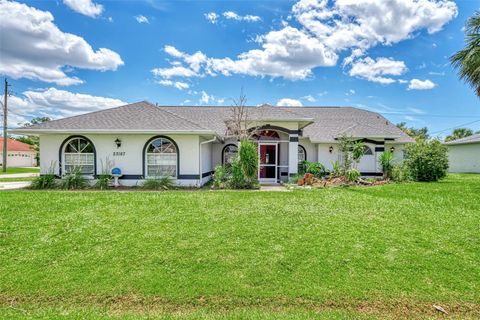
390 59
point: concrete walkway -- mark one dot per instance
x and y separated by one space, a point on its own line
20 175
14 185
273 187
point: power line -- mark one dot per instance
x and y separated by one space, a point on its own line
459 126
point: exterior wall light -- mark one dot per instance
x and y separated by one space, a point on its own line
330 149
118 142
392 149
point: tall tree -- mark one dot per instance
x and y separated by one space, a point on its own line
459 133
33 140
417 134
467 61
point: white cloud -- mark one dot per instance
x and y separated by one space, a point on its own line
205 98
230 15
287 102
309 98
141 19
288 53
365 23
56 103
85 7
416 84
376 70
177 71
177 84
212 17
328 28
38 50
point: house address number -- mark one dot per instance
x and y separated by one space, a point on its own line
118 153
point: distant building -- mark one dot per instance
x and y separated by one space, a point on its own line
464 154
19 154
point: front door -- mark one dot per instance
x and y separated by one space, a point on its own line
268 161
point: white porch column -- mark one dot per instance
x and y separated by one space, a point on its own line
292 154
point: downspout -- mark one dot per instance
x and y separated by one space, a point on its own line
200 159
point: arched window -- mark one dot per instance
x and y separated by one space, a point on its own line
228 154
302 154
161 158
367 151
79 154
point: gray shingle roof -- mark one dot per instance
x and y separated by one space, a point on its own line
140 116
470 139
328 122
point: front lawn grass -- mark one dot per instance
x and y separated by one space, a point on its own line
20 170
378 252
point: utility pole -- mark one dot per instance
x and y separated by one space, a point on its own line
5 139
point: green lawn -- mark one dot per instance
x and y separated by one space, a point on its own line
19 170
339 253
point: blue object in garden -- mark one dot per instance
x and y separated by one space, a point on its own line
116 171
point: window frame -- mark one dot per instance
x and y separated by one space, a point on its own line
225 148
365 153
62 155
304 152
145 157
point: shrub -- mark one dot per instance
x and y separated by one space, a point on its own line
336 170
315 168
248 156
220 177
237 178
158 183
74 180
358 150
386 162
427 160
401 172
45 181
352 175
103 181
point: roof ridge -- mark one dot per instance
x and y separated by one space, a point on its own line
183 118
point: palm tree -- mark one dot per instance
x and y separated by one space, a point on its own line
467 61
459 133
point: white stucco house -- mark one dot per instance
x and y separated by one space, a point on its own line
187 143
464 154
19 154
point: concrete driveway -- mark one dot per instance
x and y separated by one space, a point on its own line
14 185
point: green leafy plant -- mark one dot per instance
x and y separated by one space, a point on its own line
336 169
237 178
386 160
352 175
248 157
158 183
221 176
74 180
358 150
103 180
45 181
315 168
401 172
427 160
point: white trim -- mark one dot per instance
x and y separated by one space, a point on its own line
268 180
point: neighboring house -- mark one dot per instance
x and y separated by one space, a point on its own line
145 140
19 154
464 154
